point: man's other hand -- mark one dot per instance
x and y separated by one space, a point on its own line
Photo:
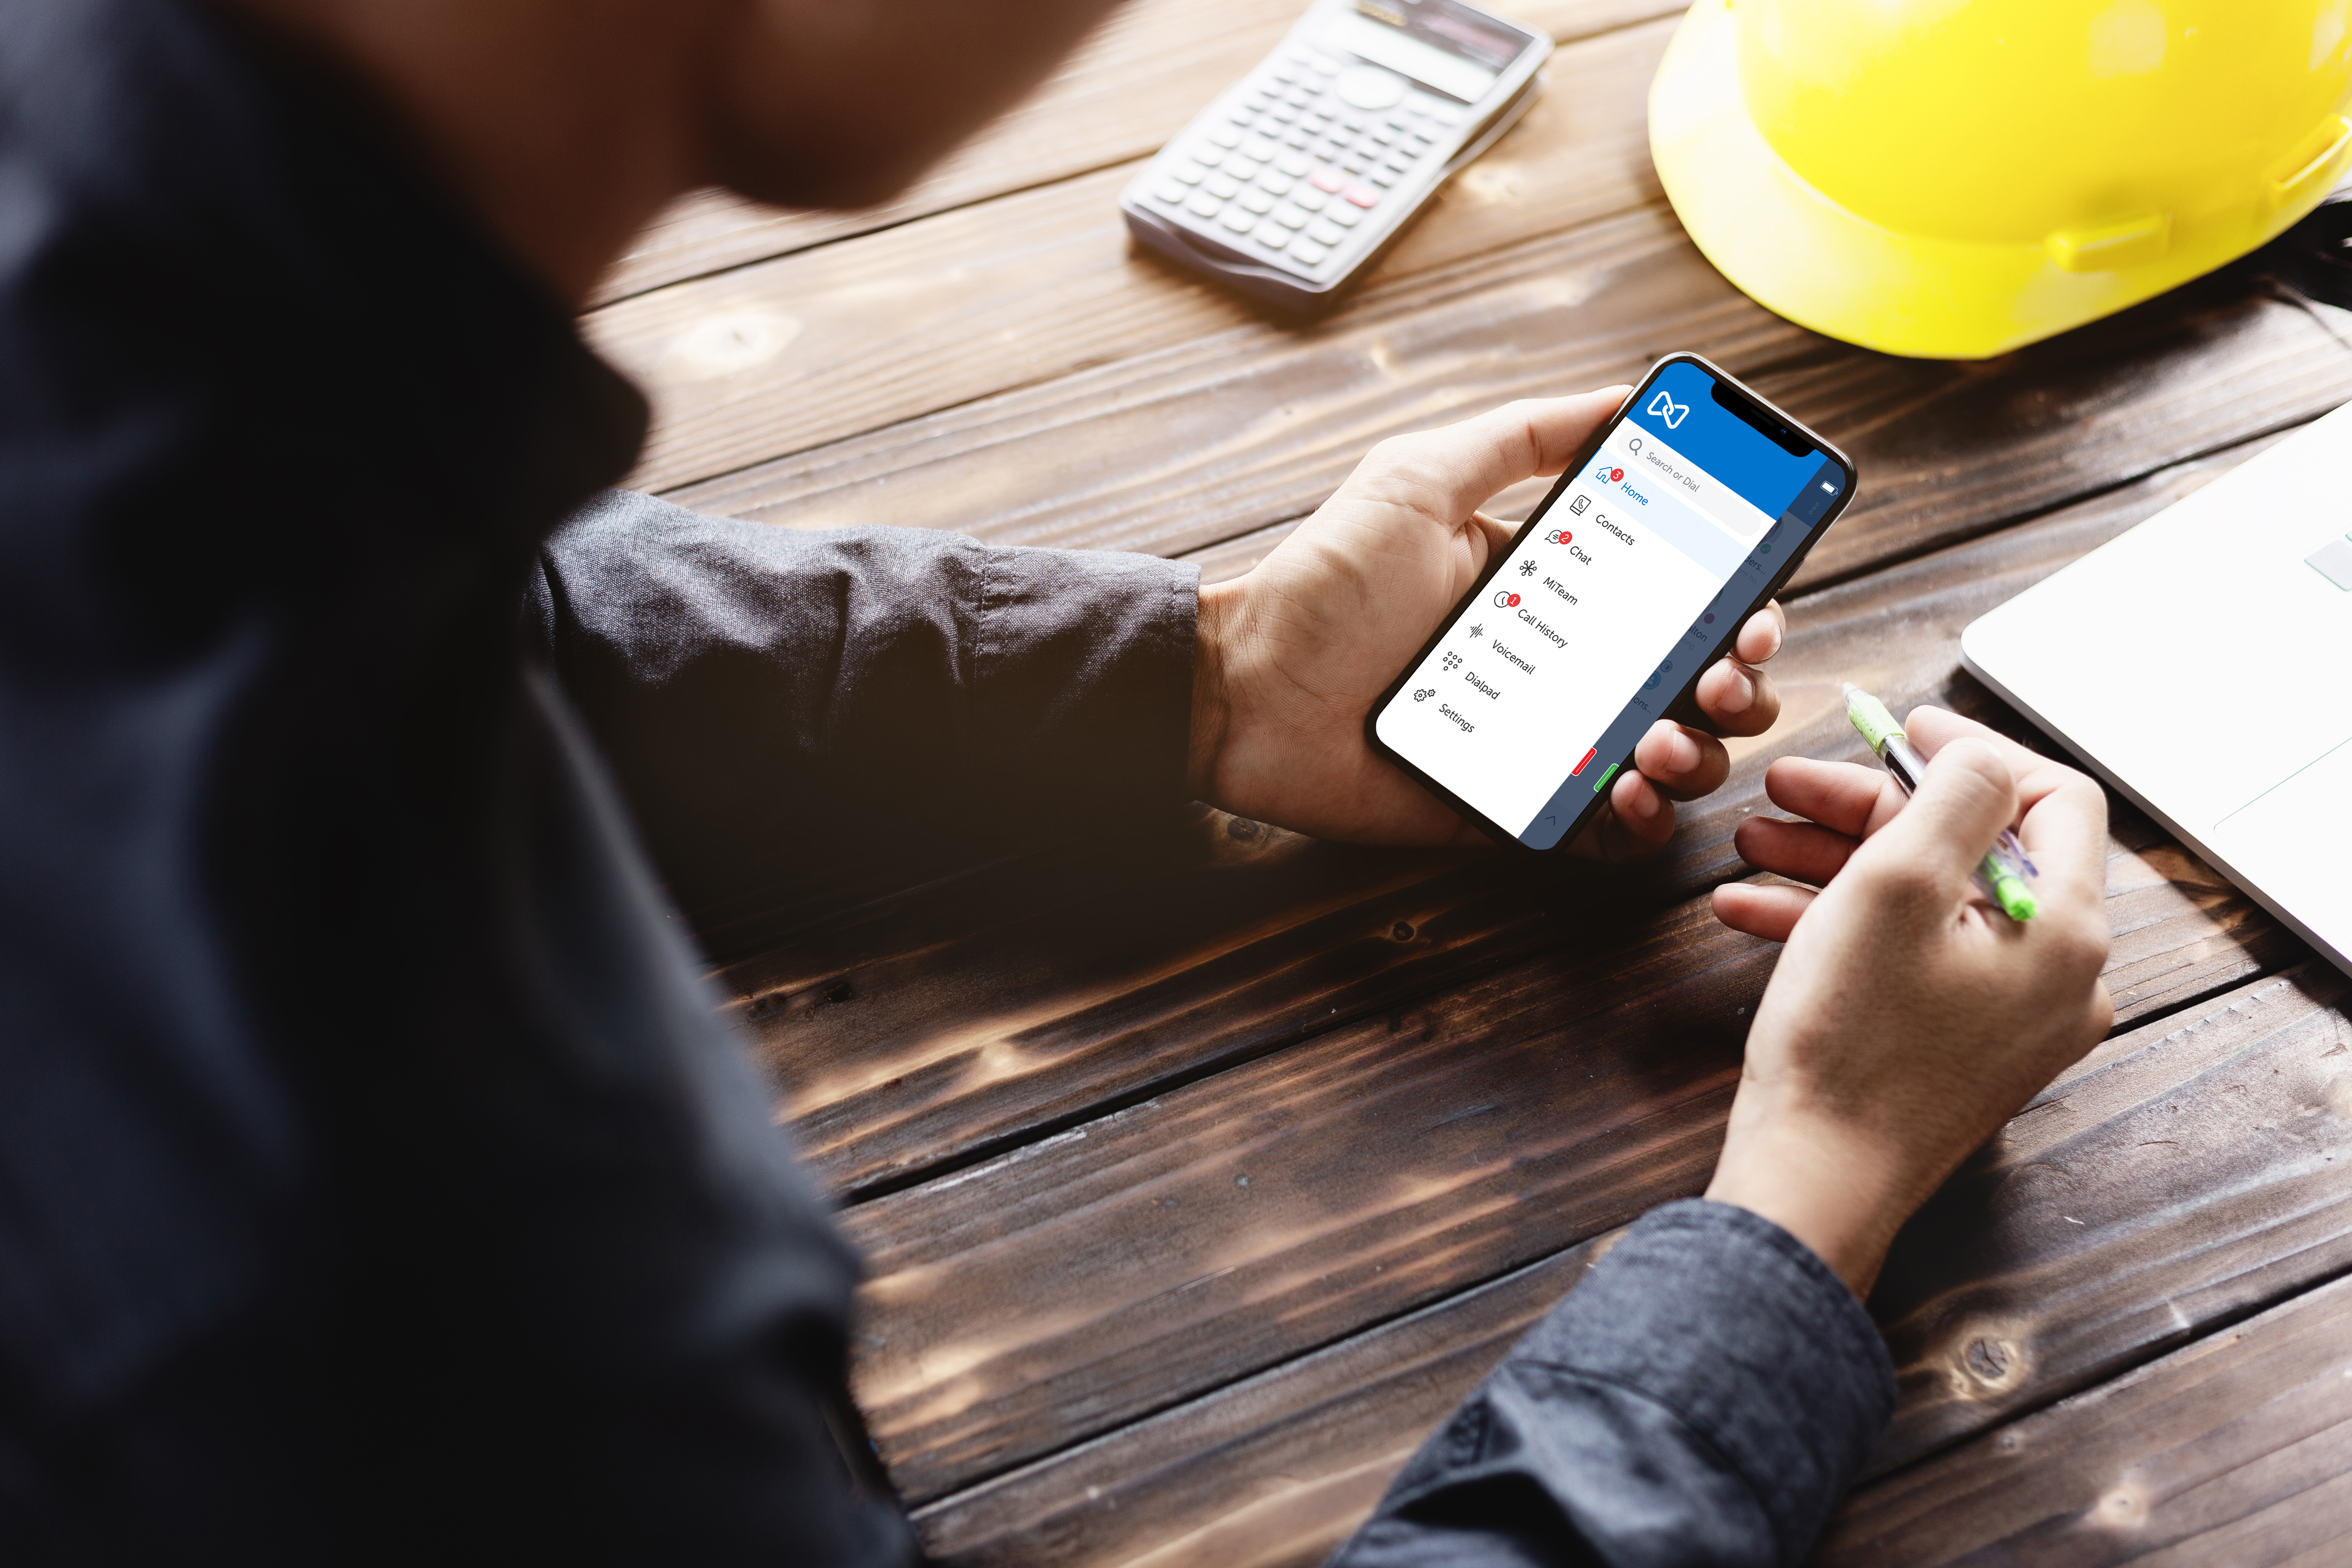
1292 654
1908 1017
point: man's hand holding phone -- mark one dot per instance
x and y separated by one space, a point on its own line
1908 1017
1292 654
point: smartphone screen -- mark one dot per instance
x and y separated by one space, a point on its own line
1689 510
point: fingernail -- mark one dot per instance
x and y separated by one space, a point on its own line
1682 752
1741 695
1645 805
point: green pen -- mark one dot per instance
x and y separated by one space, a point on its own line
2005 869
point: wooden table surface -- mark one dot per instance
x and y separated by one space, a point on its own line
1201 1171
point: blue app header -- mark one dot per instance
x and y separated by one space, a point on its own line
1679 407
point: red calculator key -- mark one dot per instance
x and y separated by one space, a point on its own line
1362 196
1328 180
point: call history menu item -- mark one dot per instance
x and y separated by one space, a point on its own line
1618 590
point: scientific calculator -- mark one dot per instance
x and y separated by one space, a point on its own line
1298 176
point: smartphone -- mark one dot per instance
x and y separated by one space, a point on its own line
1677 522
1292 184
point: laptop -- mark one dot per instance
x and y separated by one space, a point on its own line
2201 665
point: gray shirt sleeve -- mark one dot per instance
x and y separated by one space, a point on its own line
781 707
1705 1396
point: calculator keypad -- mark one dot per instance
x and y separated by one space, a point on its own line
1295 160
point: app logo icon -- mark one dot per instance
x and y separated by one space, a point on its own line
1528 567
1666 408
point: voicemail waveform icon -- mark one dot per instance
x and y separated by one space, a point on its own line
1666 408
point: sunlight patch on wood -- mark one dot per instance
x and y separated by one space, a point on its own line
1300 1520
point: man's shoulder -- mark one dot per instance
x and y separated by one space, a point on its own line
102 92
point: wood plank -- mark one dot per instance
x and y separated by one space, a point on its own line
1188 447
2236 1449
1085 1281
1270 1472
1257 421
942 1023
2164 1185
1276 1467
1144 74
813 347
1225 1225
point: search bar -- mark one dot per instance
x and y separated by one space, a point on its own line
1661 467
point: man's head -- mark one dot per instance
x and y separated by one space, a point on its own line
568 122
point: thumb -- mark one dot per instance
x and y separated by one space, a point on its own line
1466 464
1966 799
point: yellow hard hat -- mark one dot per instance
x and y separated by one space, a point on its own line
1954 178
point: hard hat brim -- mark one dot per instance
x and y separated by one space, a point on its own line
1797 252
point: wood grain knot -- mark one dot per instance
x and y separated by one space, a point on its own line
2123 1508
1402 931
839 991
1989 1363
1241 827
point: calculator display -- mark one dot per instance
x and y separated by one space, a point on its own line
1440 52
